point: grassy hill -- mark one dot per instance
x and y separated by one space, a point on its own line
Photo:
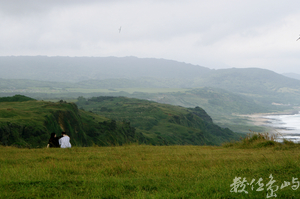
29 123
223 106
16 98
161 124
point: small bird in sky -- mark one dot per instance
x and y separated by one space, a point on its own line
120 29
298 39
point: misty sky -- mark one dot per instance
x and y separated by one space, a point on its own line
214 34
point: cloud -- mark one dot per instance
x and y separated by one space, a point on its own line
215 33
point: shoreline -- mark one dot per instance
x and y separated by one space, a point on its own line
259 119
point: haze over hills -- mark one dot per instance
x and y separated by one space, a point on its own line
74 69
81 69
131 72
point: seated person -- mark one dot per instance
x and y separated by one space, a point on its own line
53 141
64 141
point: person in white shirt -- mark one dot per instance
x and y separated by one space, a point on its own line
64 141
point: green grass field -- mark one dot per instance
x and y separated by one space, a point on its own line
142 171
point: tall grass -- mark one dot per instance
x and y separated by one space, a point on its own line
260 140
143 171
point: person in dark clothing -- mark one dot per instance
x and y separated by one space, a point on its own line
53 141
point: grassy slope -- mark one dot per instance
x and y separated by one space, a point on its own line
30 123
161 123
141 171
221 105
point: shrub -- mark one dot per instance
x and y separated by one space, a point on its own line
254 140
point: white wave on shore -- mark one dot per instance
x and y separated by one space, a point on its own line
284 126
287 126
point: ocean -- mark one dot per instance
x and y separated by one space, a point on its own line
287 126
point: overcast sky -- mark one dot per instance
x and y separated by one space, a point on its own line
214 33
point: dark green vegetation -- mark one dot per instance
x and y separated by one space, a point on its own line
29 124
16 98
119 121
161 124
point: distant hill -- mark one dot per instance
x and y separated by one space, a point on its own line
248 80
16 98
161 124
260 84
263 86
75 69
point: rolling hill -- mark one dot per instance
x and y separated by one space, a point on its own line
161 124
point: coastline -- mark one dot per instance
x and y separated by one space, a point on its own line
275 125
260 119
